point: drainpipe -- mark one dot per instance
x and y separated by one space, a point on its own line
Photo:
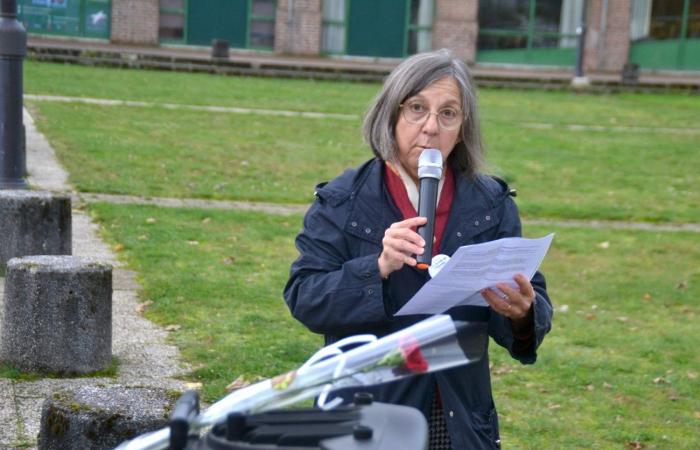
581 31
13 49
290 25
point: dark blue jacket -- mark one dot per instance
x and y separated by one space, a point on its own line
335 288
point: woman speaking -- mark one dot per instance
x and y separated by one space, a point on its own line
358 245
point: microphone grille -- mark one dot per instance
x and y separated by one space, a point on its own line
430 164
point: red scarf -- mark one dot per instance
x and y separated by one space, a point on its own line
398 194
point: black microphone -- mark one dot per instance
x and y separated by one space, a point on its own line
429 173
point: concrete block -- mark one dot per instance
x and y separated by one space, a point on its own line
33 223
57 315
94 417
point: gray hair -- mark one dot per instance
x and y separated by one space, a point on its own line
409 78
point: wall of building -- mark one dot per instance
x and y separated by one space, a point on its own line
298 27
456 27
135 22
607 39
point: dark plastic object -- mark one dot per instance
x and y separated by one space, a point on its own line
374 426
185 410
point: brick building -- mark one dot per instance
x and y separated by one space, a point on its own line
655 34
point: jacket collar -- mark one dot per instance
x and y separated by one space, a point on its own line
474 208
371 210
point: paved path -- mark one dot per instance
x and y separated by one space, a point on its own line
145 359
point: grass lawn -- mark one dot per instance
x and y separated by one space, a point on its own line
618 370
643 175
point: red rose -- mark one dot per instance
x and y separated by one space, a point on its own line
412 356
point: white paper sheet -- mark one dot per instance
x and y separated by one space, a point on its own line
473 268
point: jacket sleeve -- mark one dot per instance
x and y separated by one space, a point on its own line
500 326
329 290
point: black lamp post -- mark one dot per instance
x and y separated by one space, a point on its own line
13 48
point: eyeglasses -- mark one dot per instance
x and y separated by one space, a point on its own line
417 113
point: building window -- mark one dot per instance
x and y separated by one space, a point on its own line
333 33
262 24
172 21
545 30
420 26
666 19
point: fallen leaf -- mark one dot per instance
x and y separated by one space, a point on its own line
682 285
141 307
590 317
237 384
673 396
604 245
563 308
143 237
623 319
692 375
193 386
118 248
634 445
501 370
229 260
590 387
206 220
173 327
647 297
607 385
554 406
193 242
594 306
697 414
151 220
660 380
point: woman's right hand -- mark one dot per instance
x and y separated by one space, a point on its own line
400 243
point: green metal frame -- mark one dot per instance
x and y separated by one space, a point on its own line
410 27
679 54
183 12
530 54
82 9
343 23
252 17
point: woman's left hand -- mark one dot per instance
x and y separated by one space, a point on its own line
515 303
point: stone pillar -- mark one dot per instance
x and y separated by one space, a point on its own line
91 417
33 223
456 27
607 40
57 315
135 22
298 27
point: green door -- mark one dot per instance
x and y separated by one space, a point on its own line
377 28
217 19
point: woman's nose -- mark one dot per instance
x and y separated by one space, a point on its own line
431 124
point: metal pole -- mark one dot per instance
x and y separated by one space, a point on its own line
581 31
13 48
